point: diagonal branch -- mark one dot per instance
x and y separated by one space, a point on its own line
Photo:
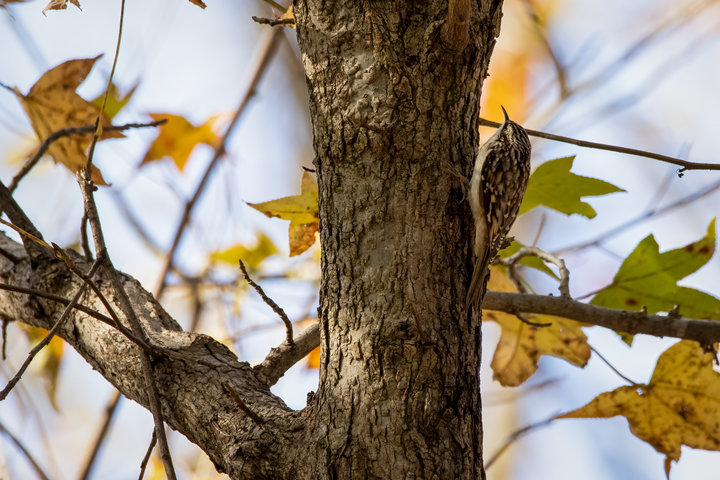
271 303
281 358
66 132
704 331
43 343
265 56
190 379
686 165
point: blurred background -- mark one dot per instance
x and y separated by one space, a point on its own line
640 74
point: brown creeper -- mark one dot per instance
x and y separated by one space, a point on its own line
497 186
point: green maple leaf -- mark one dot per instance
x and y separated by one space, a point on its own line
553 185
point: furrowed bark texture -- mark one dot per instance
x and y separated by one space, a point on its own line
394 99
193 378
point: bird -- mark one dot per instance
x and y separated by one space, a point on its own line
497 186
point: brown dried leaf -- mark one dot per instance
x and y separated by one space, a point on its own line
53 105
59 5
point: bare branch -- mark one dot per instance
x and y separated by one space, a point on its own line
686 165
109 412
87 188
703 331
274 22
66 132
48 337
57 298
280 359
512 260
271 303
267 52
38 470
148 453
191 374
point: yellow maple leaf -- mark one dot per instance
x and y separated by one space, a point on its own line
251 255
521 345
301 210
177 138
680 405
289 14
52 105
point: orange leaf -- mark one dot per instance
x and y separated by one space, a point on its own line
199 3
313 359
507 85
52 105
521 345
177 138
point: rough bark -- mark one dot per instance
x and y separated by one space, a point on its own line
246 433
394 99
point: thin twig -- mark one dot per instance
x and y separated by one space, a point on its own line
110 409
271 303
66 132
18 218
281 358
101 114
26 452
642 217
686 165
512 260
57 298
266 54
65 314
5 323
87 188
515 436
153 399
84 238
148 452
612 367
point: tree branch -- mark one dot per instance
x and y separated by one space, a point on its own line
66 132
18 218
190 379
703 331
280 359
36 466
265 56
686 165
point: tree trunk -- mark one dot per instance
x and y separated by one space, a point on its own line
394 99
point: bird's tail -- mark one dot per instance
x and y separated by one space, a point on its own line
479 280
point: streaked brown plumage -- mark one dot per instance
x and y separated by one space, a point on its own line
497 186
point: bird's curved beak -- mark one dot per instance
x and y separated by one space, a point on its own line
505 113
